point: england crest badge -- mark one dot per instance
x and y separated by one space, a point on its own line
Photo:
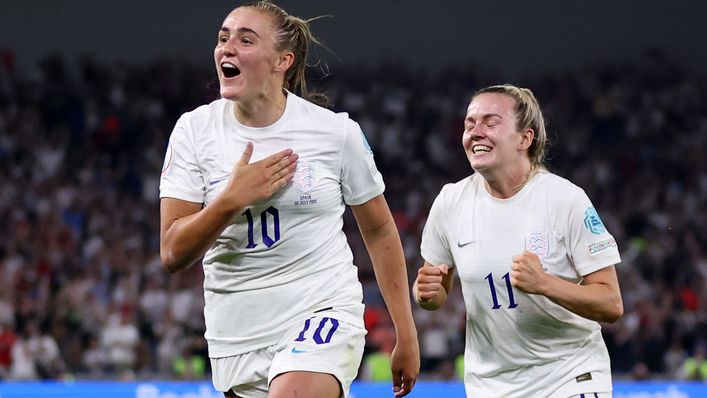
306 176
537 243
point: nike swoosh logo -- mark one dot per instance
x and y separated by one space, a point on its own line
465 242
214 182
296 351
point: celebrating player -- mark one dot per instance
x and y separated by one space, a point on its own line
535 262
257 182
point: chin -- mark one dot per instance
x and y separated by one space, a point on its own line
229 94
228 97
477 166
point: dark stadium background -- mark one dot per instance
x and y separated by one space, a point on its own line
89 92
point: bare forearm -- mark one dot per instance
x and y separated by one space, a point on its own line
388 260
188 238
595 301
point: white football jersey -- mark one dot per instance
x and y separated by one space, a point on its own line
285 257
517 344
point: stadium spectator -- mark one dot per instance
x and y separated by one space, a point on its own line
120 339
8 338
45 352
24 365
695 367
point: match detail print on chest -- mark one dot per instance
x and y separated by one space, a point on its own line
306 179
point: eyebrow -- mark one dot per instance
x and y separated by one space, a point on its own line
241 30
484 116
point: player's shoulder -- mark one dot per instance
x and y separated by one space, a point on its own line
204 112
318 115
554 181
198 119
558 192
459 192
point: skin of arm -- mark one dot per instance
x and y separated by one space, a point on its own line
187 230
382 240
433 285
597 297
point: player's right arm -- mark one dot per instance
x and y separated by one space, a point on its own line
187 230
432 285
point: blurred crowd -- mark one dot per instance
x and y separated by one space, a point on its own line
82 290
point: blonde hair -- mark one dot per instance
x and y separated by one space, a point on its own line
292 33
529 116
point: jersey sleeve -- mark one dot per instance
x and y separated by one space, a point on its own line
434 246
360 179
591 246
181 176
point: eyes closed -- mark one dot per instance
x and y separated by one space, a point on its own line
489 121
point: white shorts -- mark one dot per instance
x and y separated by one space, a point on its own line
320 344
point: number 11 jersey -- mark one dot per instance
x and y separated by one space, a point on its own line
517 344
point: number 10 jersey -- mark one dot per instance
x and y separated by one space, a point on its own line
285 257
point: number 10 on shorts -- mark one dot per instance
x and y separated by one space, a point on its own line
322 334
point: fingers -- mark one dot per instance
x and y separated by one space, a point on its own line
519 258
429 274
402 385
442 269
430 281
397 382
516 268
429 291
285 172
525 256
277 157
247 153
285 166
283 157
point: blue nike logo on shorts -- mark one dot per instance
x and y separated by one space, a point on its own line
296 351
216 181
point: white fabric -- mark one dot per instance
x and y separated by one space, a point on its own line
321 343
527 346
300 262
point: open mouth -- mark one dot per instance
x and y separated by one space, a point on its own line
229 70
477 149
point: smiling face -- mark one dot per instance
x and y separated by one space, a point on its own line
247 62
491 138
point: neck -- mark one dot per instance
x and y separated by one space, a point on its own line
505 184
261 111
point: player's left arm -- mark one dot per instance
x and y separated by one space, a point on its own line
597 297
385 249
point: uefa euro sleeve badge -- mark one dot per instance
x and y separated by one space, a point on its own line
592 221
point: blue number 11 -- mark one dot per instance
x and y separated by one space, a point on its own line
494 297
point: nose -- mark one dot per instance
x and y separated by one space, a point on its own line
471 135
476 132
228 47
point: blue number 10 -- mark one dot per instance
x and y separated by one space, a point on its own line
318 333
263 227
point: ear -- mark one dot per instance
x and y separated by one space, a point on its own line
284 61
526 139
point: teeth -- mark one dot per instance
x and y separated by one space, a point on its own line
481 148
228 65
